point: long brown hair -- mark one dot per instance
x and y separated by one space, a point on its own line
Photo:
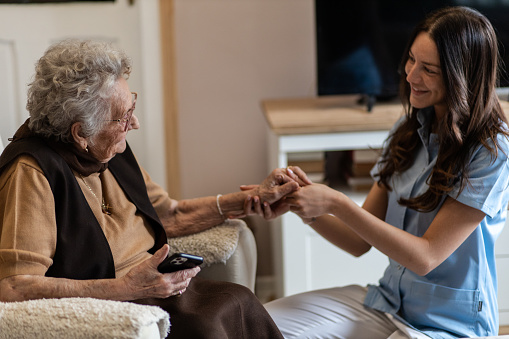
468 51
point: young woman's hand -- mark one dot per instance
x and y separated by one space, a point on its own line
268 199
311 201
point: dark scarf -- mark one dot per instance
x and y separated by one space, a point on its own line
79 160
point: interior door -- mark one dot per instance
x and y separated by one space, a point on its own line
26 30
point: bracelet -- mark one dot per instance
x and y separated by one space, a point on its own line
218 206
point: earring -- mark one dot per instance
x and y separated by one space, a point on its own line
86 149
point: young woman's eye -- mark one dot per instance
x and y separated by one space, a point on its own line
430 71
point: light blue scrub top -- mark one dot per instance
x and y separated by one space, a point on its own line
459 297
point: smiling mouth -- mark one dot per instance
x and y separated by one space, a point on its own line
418 91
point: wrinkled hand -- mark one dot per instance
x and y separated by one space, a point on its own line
145 281
253 206
280 183
274 187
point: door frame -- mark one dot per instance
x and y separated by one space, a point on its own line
170 100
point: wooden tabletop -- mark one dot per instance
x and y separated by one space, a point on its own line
329 114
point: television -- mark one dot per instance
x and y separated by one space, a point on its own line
360 43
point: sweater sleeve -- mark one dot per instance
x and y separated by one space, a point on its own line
163 204
27 216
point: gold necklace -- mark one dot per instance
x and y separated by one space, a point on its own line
106 208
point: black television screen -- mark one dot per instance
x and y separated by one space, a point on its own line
360 43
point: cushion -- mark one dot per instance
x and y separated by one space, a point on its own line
215 245
80 318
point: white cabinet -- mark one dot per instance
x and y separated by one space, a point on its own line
306 261
303 260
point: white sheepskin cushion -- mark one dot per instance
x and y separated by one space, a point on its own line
215 245
80 318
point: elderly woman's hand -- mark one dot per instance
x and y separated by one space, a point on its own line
279 183
253 206
145 281
267 199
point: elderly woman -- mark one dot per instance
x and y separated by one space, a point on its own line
80 218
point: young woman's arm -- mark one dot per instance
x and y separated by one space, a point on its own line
451 226
340 234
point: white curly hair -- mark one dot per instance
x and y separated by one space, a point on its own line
75 81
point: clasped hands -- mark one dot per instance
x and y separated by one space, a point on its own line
277 194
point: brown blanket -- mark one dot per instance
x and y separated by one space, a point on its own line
213 309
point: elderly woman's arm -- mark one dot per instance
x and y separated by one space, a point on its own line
189 216
28 233
142 281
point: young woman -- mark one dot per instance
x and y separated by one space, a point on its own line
436 209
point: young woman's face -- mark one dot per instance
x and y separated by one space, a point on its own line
424 75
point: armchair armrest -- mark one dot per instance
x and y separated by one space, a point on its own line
229 252
81 318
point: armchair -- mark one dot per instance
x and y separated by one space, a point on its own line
229 252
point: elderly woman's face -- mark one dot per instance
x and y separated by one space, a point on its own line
112 138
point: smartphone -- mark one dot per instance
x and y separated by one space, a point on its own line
179 261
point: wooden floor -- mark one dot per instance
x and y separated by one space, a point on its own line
503 330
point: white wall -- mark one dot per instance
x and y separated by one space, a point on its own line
232 54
